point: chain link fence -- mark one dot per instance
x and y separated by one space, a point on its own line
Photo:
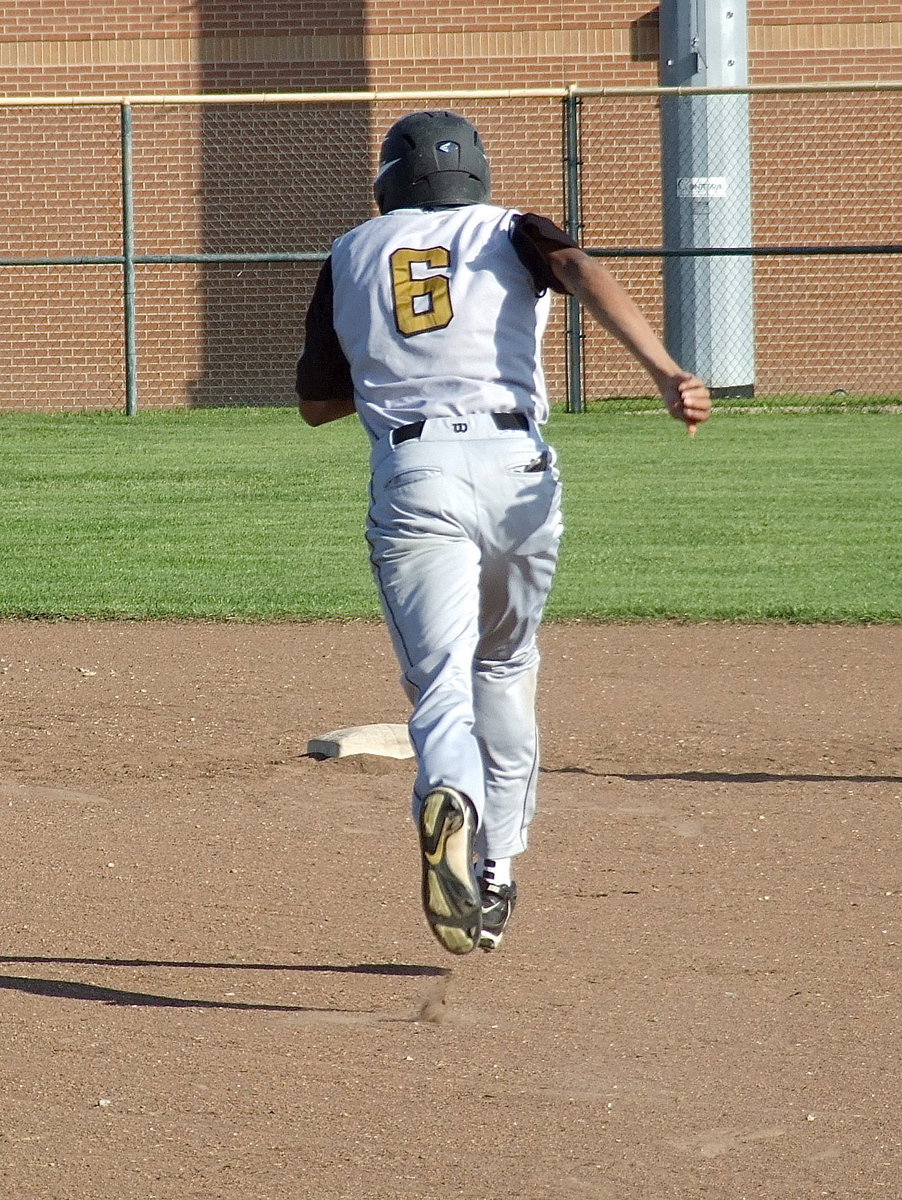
163 249
811 308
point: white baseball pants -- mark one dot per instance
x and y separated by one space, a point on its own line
464 527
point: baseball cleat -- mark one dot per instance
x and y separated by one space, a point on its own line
451 897
498 902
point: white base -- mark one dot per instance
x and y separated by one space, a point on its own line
389 741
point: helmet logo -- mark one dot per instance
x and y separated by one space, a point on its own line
447 147
386 166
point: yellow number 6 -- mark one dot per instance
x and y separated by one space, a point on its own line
421 303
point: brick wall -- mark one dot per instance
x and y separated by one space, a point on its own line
252 178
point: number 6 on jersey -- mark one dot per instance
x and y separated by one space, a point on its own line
422 302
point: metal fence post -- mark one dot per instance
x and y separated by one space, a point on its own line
572 198
709 322
128 262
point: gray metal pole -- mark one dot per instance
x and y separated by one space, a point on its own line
706 180
128 263
572 105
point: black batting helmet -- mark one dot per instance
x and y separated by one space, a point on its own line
429 160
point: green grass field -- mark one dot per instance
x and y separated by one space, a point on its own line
248 514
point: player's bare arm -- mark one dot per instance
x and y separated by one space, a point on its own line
686 396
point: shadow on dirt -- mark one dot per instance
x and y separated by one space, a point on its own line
721 776
63 989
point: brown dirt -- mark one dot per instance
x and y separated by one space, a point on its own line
217 983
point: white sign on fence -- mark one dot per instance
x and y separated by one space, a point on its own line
702 187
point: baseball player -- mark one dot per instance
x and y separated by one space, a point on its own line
427 321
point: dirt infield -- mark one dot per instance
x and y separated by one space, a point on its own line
217 984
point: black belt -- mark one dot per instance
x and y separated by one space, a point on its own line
503 420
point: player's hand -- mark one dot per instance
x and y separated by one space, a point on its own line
688 400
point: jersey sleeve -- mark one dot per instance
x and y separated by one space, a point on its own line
323 372
534 238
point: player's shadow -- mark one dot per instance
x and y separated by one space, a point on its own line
722 776
64 989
